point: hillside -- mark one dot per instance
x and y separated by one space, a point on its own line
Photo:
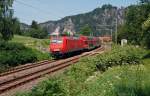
40 44
106 15
21 50
106 74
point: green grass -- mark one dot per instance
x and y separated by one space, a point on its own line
36 44
22 50
40 44
85 78
130 80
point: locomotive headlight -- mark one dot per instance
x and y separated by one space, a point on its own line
56 49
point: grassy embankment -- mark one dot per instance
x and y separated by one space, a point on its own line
39 44
120 72
22 50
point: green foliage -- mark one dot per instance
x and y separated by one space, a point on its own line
133 81
86 30
6 19
120 56
36 31
41 56
13 54
146 30
146 24
134 30
16 28
122 32
49 87
34 25
68 84
107 6
81 79
30 42
145 1
127 80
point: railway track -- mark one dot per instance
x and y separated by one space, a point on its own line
14 78
26 66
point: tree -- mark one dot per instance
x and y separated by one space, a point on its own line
144 1
36 31
86 30
122 32
146 25
34 25
107 6
134 17
137 24
6 15
146 31
16 29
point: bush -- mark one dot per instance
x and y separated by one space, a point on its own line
36 33
49 87
13 54
11 46
134 81
120 56
147 55
41 56
74 81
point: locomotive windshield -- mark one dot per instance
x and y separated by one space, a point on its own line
56 40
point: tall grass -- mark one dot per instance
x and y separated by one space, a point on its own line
14 54
115 73
34 43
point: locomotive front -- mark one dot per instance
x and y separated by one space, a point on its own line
56 46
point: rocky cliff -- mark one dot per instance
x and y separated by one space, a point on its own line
101 20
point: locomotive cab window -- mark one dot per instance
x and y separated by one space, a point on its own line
58 41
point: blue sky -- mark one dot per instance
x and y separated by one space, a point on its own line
44 10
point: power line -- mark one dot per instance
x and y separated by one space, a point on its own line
37 9
60 10
25 17
41 2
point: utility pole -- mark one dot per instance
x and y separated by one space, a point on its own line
116 23
109 29
111 34
116 33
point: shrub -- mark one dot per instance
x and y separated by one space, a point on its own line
134 81
74 81
13 54
41 56
120 56
49 87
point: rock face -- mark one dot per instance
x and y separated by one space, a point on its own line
69 27
101 20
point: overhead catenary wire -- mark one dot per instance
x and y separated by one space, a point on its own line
60 10
26 18
37 9
46 4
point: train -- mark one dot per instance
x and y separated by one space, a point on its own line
63 45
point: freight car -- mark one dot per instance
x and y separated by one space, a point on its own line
64 45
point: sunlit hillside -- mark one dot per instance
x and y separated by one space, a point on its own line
40 44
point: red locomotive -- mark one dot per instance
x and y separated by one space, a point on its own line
63 45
